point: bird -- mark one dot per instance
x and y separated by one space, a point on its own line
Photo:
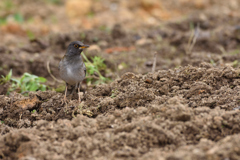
72 69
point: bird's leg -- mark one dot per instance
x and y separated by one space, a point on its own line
79 98
73 90
65 95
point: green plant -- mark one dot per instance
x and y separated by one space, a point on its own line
56 2
28 82
10 11
105 28
60 88
82 35
93 68
7 4
234 52
91 14
3 21
212 62
235 63
30 35
18 17
7 78
114 93
33 111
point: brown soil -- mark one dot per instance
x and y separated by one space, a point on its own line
168 114
187 109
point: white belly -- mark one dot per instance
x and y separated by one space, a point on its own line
70 73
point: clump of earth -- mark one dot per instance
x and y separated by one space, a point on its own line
186 112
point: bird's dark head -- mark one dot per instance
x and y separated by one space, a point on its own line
75 48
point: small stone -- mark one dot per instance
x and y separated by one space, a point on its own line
149 80
118 32
149 63
128 75
103 43
76 8
143 41
94 49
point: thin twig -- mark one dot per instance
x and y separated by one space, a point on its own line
154 62
221 48
193 39
95 77
49 71
189 42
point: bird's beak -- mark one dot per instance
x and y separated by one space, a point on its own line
84 46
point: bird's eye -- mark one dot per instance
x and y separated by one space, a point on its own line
76 45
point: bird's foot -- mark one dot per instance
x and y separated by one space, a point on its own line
79 97
64 100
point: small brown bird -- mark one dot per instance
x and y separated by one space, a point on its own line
72 68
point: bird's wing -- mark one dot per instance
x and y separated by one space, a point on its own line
60 63
84 68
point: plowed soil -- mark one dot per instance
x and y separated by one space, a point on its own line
187 109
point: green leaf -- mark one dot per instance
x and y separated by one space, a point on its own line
25 79
28 82
15 80
42 79
28 75
43 88
8 4
33 87
95 67
34 111
18 17
30 35
9 75
23 87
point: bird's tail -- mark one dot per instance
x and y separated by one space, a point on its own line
70 89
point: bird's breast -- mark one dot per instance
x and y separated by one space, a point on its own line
72 73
